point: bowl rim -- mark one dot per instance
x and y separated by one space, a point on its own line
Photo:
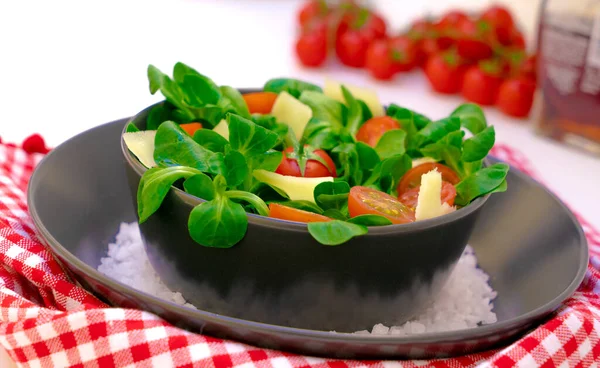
256 219
485 331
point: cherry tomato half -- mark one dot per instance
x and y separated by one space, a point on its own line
368 201
374 128
313 169
412 178
410 197
283 212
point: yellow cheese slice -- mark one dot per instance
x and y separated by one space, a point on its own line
141 144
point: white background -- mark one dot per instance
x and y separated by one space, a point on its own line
70 65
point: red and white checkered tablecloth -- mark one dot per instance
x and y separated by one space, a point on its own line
48 321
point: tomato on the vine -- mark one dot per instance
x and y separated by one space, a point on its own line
368 201
374 128
317 163
500 19
445 72
474 40
311 10
481 83
451 19
379 60
357 30
404 53
515 97
411 196
412 178
311 47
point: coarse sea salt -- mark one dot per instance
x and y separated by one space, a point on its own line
464 302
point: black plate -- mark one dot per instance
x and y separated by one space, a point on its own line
529 243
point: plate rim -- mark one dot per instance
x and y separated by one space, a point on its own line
426 338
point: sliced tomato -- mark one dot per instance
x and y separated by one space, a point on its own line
313 169
412 178
283 212
368 201
374 128
190 128
411 196
260 102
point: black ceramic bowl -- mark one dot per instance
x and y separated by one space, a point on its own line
278 274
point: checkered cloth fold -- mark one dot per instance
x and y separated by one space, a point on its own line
48 321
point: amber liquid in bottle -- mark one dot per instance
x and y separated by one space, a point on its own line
569 72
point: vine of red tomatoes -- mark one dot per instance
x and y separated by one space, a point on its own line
480 56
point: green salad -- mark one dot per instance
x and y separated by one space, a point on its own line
331 157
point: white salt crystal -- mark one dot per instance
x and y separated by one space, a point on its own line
464 302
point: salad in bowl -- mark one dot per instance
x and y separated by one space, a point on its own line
332 157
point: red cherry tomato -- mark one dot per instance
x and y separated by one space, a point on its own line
481 84
379 61
515 96
529 68
474 40
412 178
311 10
313 169
357 30
451 19
410 197
498 16
351 48
374 128
311 47
368 201
404 53
445 73
517 39
284 212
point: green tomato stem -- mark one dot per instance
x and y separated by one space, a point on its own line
251 198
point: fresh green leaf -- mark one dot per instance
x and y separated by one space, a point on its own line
370 220
294 87
232 101
301 205
157 115
251 198
477 147
181 70
392 170
335 214
391 143
169 89
131 128
346 155
367 156
325 109
405 118
199 91
451 155
335 232
332 194
236 168
367 114
320 134
219 223
471 117
355 112
481 183
249 138
269 193
210 115
201 186
210 140
436 130
268 161
154 186
174 147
